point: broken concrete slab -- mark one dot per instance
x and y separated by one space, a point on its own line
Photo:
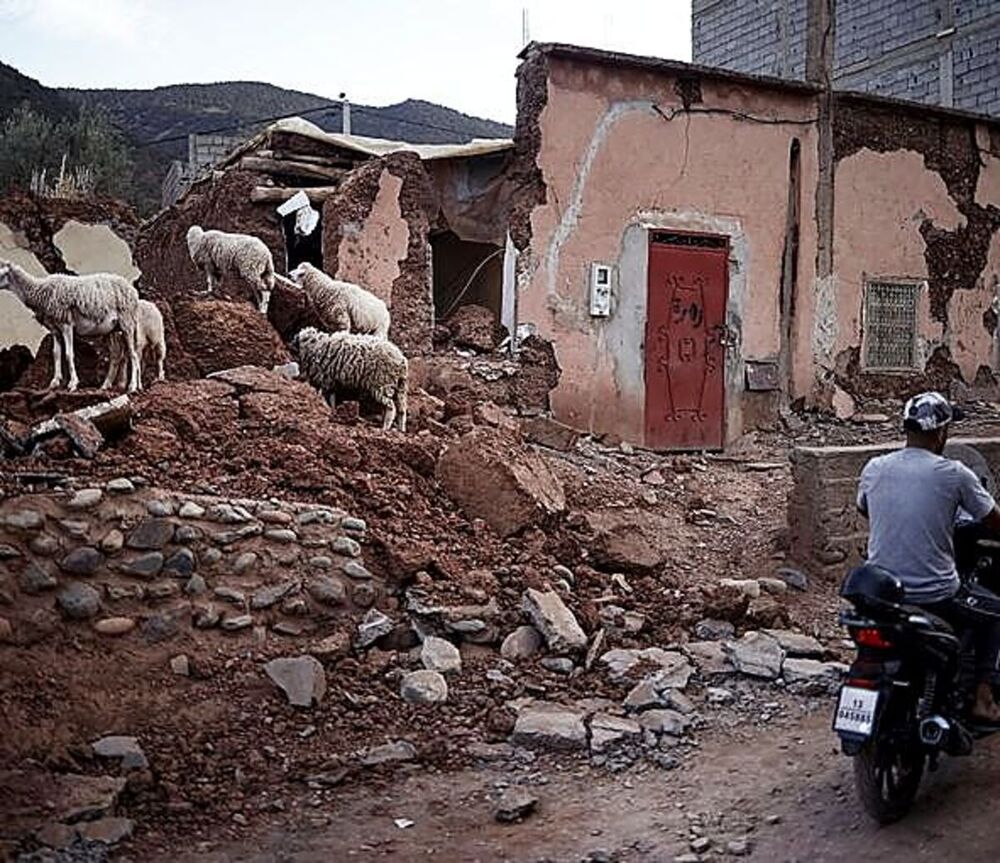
634 541
523 643
799 671
669 722
439 654
554 620
550 726
709 657
423 687
795 643
757 655
671 668
123 748
606 730
301 678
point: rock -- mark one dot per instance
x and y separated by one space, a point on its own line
36 578
643 696
281 535
225 513
709 657
630 540
747 586
558 664
607 730
161 627
122 748
115 625
354 525
473 326
767 612
326 590
423 687
718 695
437 654
355 570
230 594
664 722
514 805
85 498
738 847
548 432
345 545
144 566
234 623
24 519
160 508
69 797
701 844
554 620
272 595
673 670
757 655
773 586
793 578
151 534
180 564
120 485
400 750
245 562
79 601
162 590
333 646
188 533
44 545
180 665
82 561
301 678
189 509
797 671
523 643
710 629
373 626
195 586
795 643
492 477
113 542
550 726
296 606
56 835
75 527
320 561
206 616
289 628
107 831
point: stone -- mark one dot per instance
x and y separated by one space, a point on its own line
237 622
630 540
317 516
514 804
710 629
773 586
701 844
181 564
161 627
228 537
438 654
718 695
84 560
355 570
281 535
205 617
162 590
709 657
180 665
795 643
355 525
301 678
230 594
151 534
550 726
160 508
120 485
85 498
188 533
245 562
113 541
374 625
747 586
491 477
56 835
195 585
400 750
643 696
24 519
607 730
225 513
365 594
295 606
523 643
793 578
320 561
79 601
107 831
334 646
44 545
554 620
272 594
797 671
290 628
345 545
115 625
274 516
36 578
423 687
75 527
669 722
558 664
548 432
190 509
121 748
757 655
672 668
738 847
144 566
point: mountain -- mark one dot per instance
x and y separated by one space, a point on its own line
16 89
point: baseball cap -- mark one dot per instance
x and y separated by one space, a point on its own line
929 411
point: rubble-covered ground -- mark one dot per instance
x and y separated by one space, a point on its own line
533 608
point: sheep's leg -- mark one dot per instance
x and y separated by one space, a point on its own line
56 361
114 362
331 400
401 407
265 299
74 381
135 381
161 355
389 410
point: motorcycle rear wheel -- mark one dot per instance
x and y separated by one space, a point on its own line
887 779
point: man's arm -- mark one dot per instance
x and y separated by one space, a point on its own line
991 521
976 500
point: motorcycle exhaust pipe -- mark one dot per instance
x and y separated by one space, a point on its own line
934 730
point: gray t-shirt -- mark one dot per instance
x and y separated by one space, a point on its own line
911 497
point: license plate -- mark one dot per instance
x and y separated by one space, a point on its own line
856 710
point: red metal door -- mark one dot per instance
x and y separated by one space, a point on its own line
685 341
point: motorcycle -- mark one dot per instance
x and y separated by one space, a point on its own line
907 697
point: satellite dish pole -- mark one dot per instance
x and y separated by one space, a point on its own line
525 31
345 114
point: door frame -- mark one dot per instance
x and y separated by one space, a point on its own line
723 243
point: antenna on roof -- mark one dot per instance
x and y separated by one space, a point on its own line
345 114
525 30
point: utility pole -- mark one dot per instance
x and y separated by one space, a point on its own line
345 114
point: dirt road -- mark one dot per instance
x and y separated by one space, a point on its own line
787 792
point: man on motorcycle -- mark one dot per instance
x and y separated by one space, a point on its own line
910 498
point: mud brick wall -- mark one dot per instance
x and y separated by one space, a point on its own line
827 533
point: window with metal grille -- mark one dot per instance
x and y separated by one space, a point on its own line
891 325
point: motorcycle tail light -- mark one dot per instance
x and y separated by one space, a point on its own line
870 636
862 683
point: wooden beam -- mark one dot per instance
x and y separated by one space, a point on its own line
289 168
345 161
279 194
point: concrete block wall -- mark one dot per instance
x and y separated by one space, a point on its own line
827 533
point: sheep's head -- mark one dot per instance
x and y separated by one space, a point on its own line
193 236
302 339
300 272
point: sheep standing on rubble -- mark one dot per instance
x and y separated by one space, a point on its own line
365 363
342 306
150 334
218 254
94 305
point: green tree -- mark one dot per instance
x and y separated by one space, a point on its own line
95 143
29 141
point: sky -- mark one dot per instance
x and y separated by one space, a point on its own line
459 53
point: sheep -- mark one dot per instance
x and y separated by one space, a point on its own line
342 305
150 334
359 362
92 305
217 254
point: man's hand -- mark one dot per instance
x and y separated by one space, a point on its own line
992 521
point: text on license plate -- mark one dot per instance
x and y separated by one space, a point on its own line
856 710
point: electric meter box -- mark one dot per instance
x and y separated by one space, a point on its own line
600 290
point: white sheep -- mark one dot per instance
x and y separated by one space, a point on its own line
365 363
92 305
342 305
150 334
218 254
